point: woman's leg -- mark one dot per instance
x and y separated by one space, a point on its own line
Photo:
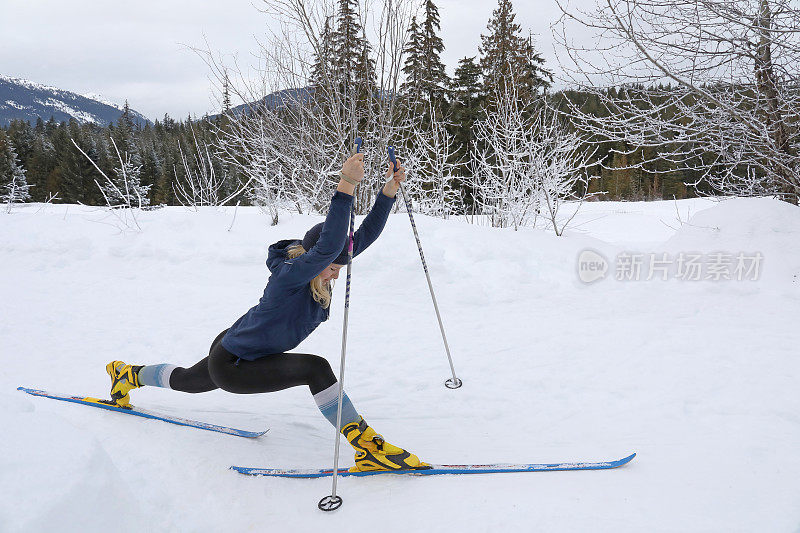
281 371
195 379
222 369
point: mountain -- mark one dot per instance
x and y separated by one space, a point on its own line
284 98
22 99
275 100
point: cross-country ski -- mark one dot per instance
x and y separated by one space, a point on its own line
144 413
439 469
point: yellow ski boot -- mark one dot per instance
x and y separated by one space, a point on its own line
374 453
124 378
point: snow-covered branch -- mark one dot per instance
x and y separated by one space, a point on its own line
432 166
526 163
304 109
712 84
125 194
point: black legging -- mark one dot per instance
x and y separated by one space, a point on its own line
223 370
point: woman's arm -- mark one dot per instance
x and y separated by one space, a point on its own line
373 224
332 239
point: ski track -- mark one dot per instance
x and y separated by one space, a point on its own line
699 378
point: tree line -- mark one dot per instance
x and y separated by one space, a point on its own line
345 88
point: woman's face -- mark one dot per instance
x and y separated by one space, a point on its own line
330 272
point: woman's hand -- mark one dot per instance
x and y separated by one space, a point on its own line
395 179
352 173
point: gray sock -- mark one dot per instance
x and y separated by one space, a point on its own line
156 375
327 401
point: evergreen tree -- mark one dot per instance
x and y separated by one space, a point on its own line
412 66
435 80
126 188
466 101
40 163
126 120
75 174
353 67
124 135
13 185
365 75
426 79
508 59
535 75
323 71
466 85
226 95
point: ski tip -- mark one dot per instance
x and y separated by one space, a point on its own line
626 460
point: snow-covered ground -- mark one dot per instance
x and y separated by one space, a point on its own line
700 378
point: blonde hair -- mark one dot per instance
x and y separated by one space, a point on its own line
320 290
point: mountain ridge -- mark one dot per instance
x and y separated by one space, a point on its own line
22 99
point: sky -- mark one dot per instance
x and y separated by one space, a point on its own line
140 51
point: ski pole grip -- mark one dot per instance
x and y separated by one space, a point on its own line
390 149
357 143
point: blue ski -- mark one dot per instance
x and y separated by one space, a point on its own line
138 411
440 469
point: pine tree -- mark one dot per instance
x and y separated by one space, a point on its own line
13 185
126 188
323 71
343 69
226 95
353 67
466 85
535 75
126 119
435 80
426 79
508 59
412 66
75 174
365 75
124 136
466 101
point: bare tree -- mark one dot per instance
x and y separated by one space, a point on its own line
431 160
201 185
732 101
562 161
293 142
125 195
528 165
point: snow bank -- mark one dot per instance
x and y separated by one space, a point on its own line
55 474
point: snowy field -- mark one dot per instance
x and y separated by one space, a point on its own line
701 378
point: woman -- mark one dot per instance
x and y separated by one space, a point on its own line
251 356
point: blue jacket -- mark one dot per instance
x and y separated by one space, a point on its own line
286 314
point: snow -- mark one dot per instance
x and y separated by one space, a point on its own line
698 377
103 100
81 116
15 105
29 84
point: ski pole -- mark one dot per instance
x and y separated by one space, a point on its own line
333 501
454 382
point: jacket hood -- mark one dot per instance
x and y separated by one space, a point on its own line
277 253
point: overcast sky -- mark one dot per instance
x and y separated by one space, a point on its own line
137 50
